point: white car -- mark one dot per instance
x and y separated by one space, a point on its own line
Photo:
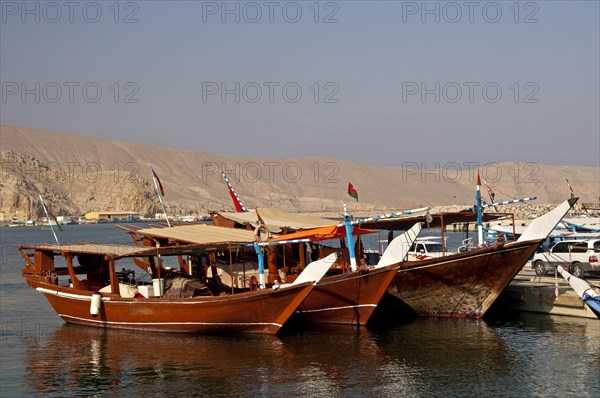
426 247
578 256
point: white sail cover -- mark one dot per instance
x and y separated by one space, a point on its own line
316 270
579 285
541 227
398 248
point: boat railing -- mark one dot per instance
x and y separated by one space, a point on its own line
467 245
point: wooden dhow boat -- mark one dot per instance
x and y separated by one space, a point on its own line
97 294
352 296
461 284
466 284
344 296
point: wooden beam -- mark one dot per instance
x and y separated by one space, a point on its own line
114 281
77 284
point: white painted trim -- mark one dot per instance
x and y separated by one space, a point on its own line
339 308
68 295
168 323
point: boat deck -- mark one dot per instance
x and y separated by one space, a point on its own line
531 293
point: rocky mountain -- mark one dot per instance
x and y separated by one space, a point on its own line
78 174
24 178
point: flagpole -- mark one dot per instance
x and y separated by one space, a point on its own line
163 209
349 239
261 265
479 210
261 257
158 193
389 215
570 188
506 202
49 220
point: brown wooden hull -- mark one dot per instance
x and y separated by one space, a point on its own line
463 284
348 298
263 311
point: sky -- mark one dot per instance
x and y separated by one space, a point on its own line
379 82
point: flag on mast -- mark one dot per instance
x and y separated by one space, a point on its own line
490 192
352 192
49 215
157 185
239 206
570 188
160 192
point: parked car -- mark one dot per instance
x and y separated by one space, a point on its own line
580 257
426 247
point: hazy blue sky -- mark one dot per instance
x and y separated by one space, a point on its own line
381 82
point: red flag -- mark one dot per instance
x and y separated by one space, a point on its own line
352 192
239 206
236 202
157 183
50 216
53 217
478 179
490 191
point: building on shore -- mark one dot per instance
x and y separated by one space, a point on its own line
112 216
17 216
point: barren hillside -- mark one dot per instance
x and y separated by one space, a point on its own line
80 174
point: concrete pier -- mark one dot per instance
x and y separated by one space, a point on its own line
531 293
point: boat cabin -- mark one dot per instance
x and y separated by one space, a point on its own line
285 258
111 269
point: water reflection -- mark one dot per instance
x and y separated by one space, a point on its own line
345 361
555 353
513 354
327 361
85 360
443 354
522 355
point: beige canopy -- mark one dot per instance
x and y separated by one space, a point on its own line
116 251
200 234
276 219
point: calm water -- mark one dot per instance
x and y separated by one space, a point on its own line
506 355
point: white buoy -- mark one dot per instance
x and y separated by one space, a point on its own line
96 303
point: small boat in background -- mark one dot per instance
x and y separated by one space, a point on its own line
582 223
